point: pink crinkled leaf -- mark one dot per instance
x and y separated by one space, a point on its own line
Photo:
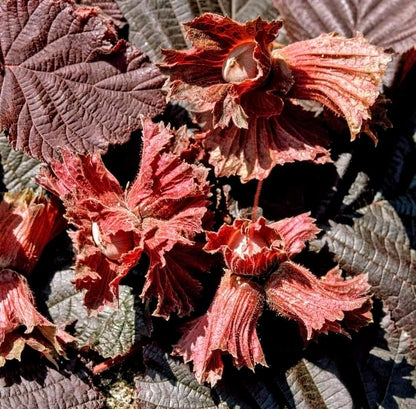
319 304
27 223
388 24
107 242
66 80
252 153
342 74
171 279
163 207
249 248
227 60
229 326
168 193
21 324
295 231
78 177
254 248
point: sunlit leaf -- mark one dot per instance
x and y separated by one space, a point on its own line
67 81
168 383
112 332
316 385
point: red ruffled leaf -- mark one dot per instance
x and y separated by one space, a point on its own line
172 279
228 60
67 81
254 248
229 326
295 231
108 241
244 93
168 193
27 223
319 304
252 153
163 207
249 248
342 74
21 324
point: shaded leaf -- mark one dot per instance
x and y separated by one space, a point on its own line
112 332
387 376
377 244
248 391
38 386
312 385
384 23
405 207
19 170
156 24
401 165
169 383
66 81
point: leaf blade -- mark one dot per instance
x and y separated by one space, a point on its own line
378 244
68 81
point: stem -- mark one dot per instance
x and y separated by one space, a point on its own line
256 200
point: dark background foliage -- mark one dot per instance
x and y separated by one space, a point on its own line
365 203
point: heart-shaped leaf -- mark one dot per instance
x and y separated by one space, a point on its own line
66 81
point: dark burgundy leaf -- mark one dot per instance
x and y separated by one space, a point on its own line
377 244
38 386
66 81
389 24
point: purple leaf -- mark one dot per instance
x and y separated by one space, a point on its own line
35 385
389 24
66 81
